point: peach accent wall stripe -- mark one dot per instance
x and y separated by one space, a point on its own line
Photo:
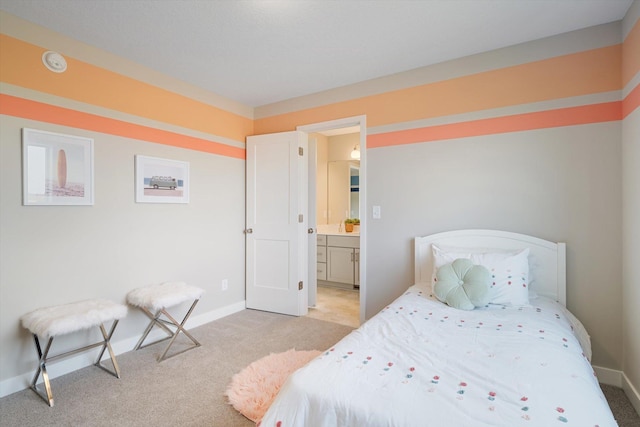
605 112
631 54
21 65
583 73
32 110
631 102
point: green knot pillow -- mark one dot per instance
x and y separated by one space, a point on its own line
463 284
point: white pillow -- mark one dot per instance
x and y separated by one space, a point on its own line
447 254
509 271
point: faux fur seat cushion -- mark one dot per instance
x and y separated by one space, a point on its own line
168 294
67 318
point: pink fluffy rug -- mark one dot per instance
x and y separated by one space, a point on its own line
253 389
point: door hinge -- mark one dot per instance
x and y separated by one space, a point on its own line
300 218
300 285
300 151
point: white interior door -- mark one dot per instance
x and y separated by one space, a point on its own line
276 223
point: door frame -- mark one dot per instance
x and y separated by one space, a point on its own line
342 123
312 222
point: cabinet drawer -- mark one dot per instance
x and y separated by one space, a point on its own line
322 240
322 254
344 241
322 271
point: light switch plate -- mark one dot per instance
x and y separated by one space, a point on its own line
376 212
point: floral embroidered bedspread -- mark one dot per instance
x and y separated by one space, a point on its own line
422 363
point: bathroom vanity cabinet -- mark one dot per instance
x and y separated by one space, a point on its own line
339 260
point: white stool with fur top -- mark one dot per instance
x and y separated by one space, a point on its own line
50 322
154 300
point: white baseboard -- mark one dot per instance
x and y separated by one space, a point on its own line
608 376
619 379
71 364
631 392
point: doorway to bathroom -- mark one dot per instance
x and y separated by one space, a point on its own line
337 208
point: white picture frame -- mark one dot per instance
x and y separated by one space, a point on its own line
161 180
57 169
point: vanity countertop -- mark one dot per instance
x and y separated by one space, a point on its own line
335 230
339 233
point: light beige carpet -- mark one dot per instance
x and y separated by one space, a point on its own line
186 390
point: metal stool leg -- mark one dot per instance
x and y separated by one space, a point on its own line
155 320
180 327
107 346
42 368
172 335
47 394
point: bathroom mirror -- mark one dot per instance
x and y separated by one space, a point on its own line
343 190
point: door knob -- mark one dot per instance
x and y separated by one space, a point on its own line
310 231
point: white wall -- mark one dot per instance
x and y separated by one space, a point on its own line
631 235
561 184
59 254
631 251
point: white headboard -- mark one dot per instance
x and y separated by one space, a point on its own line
547 260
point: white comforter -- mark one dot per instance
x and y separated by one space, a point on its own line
421 363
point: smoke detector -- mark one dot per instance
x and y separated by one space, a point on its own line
54 61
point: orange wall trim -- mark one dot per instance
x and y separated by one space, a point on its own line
596 113
27 109
631 102
631 54
582 73
21 65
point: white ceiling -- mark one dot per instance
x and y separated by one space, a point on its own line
258 51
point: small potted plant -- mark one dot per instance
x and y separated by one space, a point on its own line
348 225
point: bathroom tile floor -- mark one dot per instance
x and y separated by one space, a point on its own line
337 305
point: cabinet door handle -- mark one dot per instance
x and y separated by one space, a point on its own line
310 231
248 231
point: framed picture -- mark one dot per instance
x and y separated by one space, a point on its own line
57 169
161 180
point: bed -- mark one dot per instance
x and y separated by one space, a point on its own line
421 362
